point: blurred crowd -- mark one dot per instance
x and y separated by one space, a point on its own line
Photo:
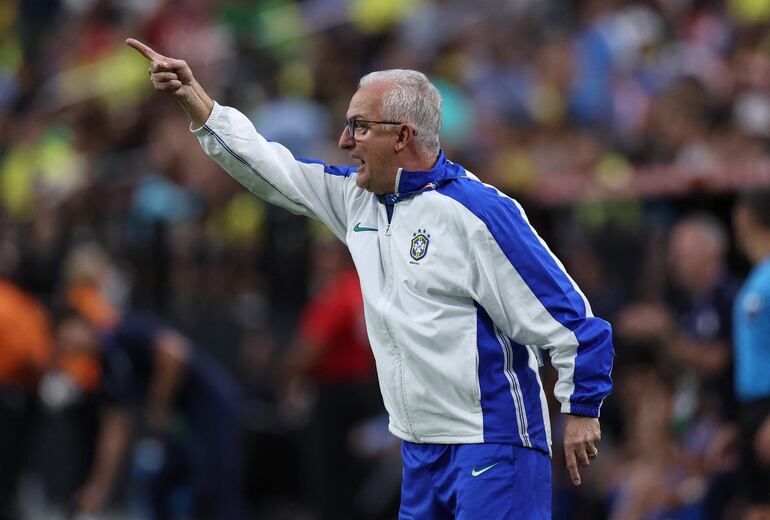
109 209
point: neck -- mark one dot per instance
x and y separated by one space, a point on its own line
417 160
410 160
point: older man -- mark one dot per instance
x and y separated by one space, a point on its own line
460 295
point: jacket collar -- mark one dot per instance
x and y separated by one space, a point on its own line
412 182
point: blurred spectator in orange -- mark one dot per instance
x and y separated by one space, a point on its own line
25 352
752 352
191 419
331 359
69 389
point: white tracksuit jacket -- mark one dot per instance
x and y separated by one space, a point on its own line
459 291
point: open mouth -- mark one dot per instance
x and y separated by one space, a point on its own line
359 160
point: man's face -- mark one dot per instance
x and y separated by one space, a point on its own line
692 256
373 146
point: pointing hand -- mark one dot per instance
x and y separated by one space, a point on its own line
581 434
167 74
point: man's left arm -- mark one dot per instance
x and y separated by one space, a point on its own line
528 294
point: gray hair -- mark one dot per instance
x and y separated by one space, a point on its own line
412 98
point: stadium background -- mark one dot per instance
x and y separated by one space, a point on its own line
610 120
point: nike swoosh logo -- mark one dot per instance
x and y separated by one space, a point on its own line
359 228
475 473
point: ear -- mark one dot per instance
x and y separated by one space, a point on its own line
404 136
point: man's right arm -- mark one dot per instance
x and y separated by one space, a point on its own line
267 169
198 105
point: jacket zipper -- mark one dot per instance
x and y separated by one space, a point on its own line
389 287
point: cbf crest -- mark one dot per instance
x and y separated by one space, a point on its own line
419 245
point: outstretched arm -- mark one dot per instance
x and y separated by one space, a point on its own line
175 77
266 168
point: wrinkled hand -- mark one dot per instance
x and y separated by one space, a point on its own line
167 74
581 434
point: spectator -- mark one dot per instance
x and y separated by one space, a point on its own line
25 352
84 153
694 324
189 407
752 352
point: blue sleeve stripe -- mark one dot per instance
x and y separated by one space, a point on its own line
243 161
530 390
515 386
343 171
499 403
548 282
510 391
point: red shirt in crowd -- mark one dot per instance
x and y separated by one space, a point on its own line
333 322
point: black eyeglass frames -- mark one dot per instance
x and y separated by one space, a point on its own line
352 124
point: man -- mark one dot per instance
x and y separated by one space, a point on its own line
751 339
459 295
694 325
178 390
697 253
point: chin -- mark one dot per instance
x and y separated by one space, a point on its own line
362 181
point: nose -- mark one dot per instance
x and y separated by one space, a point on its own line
346 141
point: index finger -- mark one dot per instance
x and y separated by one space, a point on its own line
146 51
572 467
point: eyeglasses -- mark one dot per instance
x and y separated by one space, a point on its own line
352 124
